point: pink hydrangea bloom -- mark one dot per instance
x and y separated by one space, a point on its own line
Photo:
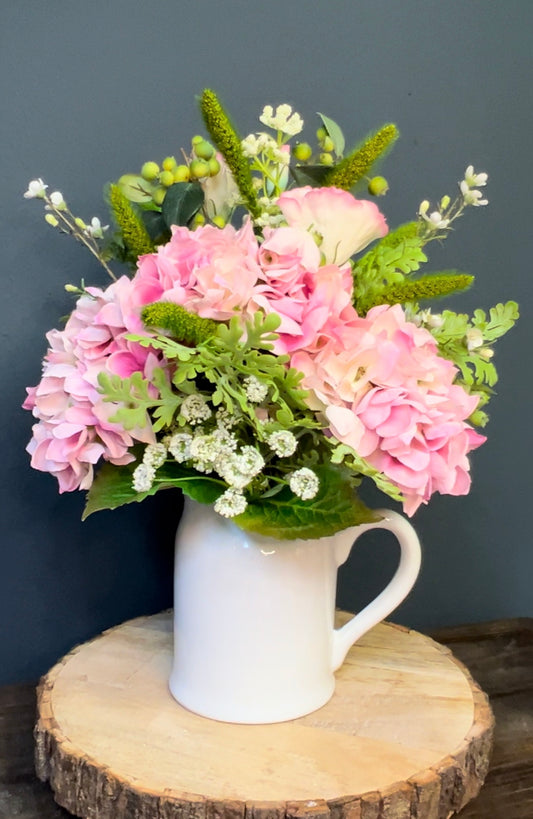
311 300
210 270
73 430
385 392
342 224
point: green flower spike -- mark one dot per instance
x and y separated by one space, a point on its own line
357 164
426 287
229 144
187 328
134 233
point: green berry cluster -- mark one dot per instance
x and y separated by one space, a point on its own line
149 188
327 155
303 152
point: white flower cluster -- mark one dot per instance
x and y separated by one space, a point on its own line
154 456
304 483
255 145
285 119
230 503
217 450
282 442
255 390
468 186
195 409
443 217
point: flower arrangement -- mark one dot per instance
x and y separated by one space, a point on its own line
260 356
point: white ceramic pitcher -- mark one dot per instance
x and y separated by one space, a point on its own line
254 640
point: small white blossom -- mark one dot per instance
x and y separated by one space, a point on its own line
475 180
179 446
474 338
195 409
304 483
433 320
472 197
56 198
435 220
155 455
230 503
143 478
486 353
255 390
284 119
95 230
282 442
36 189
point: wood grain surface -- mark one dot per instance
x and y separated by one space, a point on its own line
407 731
499 655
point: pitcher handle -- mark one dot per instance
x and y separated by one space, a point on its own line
392 595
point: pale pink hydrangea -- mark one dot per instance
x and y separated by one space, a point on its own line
341 224
210 270
311 300
73 430
386 393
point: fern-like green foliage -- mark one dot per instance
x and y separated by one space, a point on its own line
357 164
388 263
228 143
134 234
431 286
187 328
476 370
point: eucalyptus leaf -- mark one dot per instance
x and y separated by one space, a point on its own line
335 132
182 201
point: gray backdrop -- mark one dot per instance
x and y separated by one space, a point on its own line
91 90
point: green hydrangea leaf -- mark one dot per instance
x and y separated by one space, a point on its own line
112 486
286 517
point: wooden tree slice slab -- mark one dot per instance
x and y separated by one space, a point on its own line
406 734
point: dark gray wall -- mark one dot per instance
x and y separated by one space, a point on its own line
90 90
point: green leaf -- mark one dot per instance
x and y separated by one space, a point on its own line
502 318
313 175
182 201
135 188
286 517
335 133
112 486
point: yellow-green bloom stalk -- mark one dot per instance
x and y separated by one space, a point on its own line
426 287
228 143
134 233
357 164
187 328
